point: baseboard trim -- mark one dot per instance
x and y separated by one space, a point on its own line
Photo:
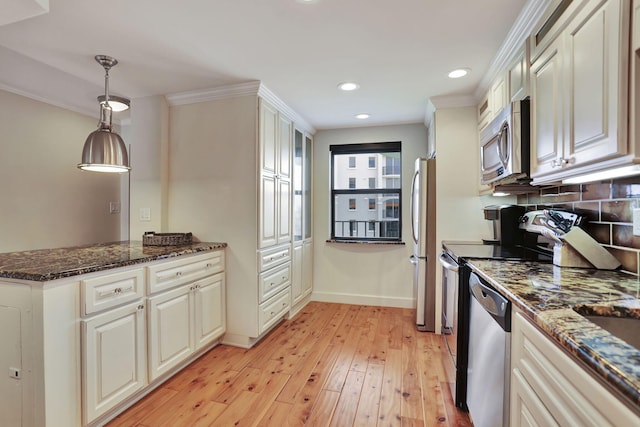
357 299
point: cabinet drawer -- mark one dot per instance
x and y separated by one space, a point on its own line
271 311
273 281
110 290
271 257
169 274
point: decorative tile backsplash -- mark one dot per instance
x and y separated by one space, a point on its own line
608 207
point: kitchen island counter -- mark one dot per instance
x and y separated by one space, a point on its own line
548 295
44 265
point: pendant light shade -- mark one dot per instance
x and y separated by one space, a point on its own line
104 150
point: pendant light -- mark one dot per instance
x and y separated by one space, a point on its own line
104 149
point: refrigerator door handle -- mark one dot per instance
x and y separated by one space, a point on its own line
413 260
411 208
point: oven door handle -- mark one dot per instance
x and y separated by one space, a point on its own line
447 262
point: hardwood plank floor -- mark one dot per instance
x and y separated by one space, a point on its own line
331 365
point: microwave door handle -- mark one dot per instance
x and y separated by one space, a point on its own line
503 143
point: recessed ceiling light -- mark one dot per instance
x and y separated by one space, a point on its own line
348 86
460 72
362 116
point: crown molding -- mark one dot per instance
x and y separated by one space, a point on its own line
252 88
517 36
213 94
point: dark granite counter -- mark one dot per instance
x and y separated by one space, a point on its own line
50 264
549 295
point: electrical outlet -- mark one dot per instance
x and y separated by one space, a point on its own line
636 222
114 207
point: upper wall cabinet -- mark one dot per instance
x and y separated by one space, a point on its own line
518 75
276 142
579 86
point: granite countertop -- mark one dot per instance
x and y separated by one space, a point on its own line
50 264
549 294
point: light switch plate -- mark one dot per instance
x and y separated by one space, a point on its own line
145 214
636 222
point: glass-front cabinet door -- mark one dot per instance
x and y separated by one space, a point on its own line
306 186
298 149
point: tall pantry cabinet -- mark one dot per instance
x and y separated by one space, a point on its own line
231 156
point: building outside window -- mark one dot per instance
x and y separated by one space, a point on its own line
379 188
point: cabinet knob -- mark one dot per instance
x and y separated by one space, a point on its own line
273 313
178 273
141 307
117 290
208 265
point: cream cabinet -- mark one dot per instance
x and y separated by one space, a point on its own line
276 134
184 316
302 259
75 348
579 84
184 320
549 388
114 358
518 75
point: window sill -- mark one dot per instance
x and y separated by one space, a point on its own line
367 242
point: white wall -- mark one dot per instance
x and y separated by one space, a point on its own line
149 164
47 201
371 274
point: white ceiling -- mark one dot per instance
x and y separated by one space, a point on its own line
399 51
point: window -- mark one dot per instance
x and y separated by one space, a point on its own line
381 220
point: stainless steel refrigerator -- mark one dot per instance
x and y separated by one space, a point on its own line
423 228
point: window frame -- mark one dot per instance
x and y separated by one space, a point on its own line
364 148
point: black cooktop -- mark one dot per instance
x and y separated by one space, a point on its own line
479 250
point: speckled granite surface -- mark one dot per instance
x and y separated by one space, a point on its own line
50 264
549 294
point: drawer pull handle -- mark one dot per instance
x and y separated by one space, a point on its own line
273 313
178 273
141 307
284 304
209 265
271 284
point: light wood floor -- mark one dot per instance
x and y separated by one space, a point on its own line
331 365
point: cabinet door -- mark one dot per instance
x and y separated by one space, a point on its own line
285 146
170 326
307 267
498 95
284 211
296 274
307 185
210 317
635 26
547 110
518 77
11 362
268 137
593 63
114 358
527 410
268 211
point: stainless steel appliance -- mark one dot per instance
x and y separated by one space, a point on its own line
450 281
505 220
504 144
489 362
423 214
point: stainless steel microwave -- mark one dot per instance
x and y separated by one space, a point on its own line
504 144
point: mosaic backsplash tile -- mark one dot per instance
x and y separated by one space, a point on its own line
608 207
